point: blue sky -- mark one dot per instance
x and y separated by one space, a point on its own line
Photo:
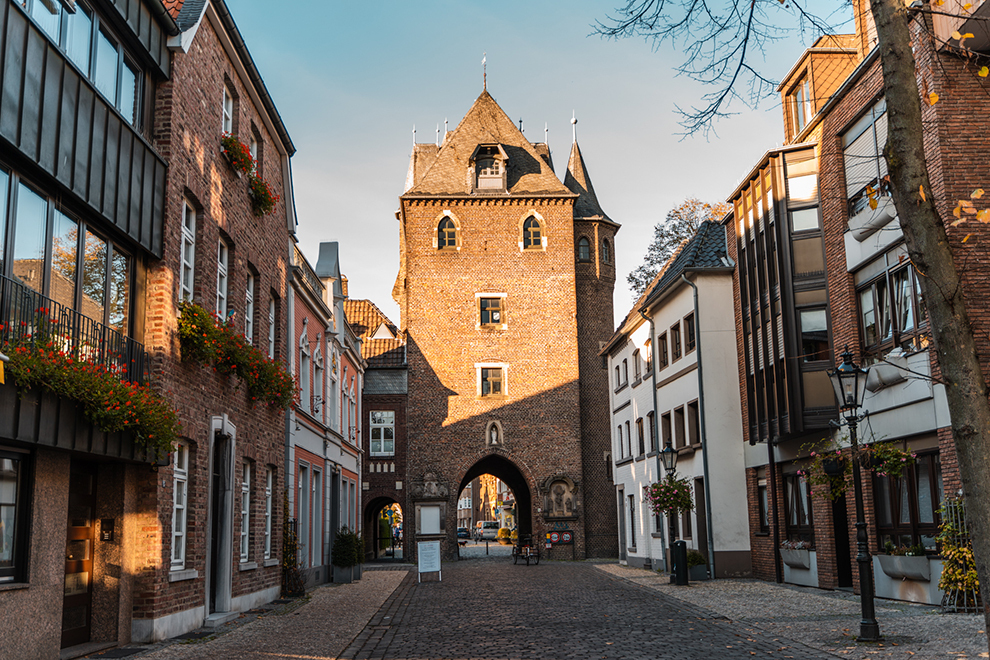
352 79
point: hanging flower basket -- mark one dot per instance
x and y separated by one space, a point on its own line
263 198
237 153
671 494
887 460
828 469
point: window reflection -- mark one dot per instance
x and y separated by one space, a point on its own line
48 16
29 238
128 92
106 66
4 180
65 250
78 36
94 276
120 292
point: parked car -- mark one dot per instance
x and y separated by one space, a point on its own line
486 530
463 533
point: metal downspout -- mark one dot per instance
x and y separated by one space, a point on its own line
655 432
701 424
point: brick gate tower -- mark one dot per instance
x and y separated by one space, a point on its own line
505 291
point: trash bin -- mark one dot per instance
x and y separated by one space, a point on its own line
679 557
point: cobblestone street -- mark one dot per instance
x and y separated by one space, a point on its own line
486 608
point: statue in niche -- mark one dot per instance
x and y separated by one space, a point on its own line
493 435
561 499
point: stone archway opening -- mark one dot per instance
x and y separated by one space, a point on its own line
383 530
484 494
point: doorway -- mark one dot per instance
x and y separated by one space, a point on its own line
77 598
221 501
622 525
702 513
840 531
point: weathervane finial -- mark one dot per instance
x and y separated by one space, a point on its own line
573 126
484 71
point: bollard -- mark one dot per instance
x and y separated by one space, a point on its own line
679 557
486 547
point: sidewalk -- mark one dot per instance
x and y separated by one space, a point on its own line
826 620
319 625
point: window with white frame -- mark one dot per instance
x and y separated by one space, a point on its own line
618 436
382 433
180 491
491 380
245 511
304 367
269 487
271 329
187 278
223 254
318 389
228 111
249 310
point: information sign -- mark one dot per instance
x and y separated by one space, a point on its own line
428 554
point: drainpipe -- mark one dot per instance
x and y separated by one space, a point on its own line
656 439
704 438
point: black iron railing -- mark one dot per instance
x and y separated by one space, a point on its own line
28 316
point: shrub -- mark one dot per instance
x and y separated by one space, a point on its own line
504 533
346 550
695 558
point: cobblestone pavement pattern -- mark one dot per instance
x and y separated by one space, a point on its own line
827 620
493 610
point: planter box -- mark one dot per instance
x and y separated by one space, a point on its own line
698 573
901 568
343 575
796 558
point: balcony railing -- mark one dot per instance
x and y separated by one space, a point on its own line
28 316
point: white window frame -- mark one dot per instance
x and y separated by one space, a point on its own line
381 426
502 306
223 257
245 511
269 484
180 485
187 270
305 388
227 111
249 310
271 329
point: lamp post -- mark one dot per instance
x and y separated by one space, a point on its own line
668 456
849 382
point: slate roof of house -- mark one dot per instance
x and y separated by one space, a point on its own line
578 181
705 250
364 318
186 12
444 171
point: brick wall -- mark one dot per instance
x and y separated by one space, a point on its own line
540 415
187 132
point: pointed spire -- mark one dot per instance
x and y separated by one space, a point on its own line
578 181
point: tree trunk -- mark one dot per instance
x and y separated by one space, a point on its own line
928 247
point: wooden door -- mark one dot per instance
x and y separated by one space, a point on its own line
77 599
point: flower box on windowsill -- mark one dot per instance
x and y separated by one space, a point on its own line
230 161
796 558
905 568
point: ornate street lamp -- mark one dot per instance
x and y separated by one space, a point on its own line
668 456
849 382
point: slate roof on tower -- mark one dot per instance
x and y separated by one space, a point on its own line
447 173
578 181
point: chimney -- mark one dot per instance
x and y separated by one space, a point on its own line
343 286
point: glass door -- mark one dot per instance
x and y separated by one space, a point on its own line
77 600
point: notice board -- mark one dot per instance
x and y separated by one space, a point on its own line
428 556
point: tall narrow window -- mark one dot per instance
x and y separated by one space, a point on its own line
648 351
675 341
689 337
637 369
180 481
187 279
245 511
249 310
800 102
227 111
629 441
606 251
641 435
223 254
65 252
119 302
13 516
632 521
652 430
662 350
532 234
269 488
584 249
382 433
618 437
271 329
761 498
446 235
106 66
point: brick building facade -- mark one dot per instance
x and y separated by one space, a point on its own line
494 252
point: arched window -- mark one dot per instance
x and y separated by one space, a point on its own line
606 251
446 234
532 234
584 249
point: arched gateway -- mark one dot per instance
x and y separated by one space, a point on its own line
503 316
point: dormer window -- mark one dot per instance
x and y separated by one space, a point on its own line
489 168
799 102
